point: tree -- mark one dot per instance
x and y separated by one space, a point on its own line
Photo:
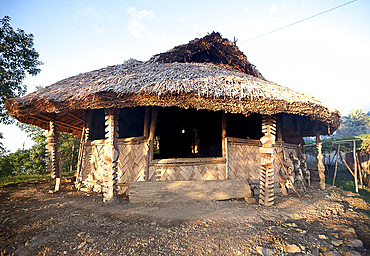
17 57
356 118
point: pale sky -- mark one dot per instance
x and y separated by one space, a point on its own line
327 56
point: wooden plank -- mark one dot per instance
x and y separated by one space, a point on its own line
146 122
224 141
182 191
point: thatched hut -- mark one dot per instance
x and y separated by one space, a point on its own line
198 112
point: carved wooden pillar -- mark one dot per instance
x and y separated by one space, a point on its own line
320 164
111 154
82 153
52 138
267 178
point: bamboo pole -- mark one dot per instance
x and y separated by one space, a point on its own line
359 172
336 165
355 162
349 169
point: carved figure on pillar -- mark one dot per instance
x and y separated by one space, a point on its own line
320 164
267 161
52 140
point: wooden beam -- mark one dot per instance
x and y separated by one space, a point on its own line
223 134
84 138
146 122
183 191
153 125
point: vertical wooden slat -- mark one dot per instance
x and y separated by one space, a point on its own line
266 196
355 164
320 164
153 125
224 143
111 153
146 122
82 152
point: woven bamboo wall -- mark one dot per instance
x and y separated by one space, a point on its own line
93 164
243 163
132 161
188 171
243 159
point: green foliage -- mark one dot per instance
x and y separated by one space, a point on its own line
328 146
365 145
356 118
17 56
22 178
68 151
35 159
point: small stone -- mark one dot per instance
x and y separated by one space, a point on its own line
335 235
354 243
81 234
250 200
292 248
153 223
65 252
331 253
323 237
351 253
336 242
81 245
264 251
291 224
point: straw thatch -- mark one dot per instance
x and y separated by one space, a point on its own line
229 83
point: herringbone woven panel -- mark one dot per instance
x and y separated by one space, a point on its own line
188 172
243 161
132 161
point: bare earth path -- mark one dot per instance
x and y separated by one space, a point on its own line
35 222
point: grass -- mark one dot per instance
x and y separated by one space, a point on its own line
27 177
349 185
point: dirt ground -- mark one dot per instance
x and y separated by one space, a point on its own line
36 222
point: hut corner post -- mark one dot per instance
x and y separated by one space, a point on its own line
267 174
52 139
84 138
111 153
320 164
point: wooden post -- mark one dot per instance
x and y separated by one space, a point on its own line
111 154
153 125
320 165
146 122
355 162
81 154
336 164
267 175
52 148
223 134
224 144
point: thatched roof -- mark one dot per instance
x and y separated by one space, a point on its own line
229 83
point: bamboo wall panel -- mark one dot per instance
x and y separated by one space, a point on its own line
133 161
198 172
243 161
